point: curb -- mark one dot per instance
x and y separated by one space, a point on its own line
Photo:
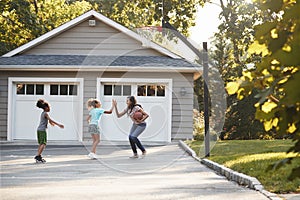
231 175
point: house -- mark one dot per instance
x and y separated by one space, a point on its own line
92 56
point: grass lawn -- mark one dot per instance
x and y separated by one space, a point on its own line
252 157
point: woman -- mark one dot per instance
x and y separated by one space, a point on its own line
138 125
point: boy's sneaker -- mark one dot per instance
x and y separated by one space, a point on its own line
43 160
39 159
134 156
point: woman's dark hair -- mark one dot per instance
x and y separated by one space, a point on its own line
133 102
41 103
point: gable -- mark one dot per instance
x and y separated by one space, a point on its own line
100 39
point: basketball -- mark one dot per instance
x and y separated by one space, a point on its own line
138 115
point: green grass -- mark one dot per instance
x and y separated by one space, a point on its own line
252 157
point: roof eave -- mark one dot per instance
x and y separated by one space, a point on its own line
68 68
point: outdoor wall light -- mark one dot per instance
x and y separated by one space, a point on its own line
182 91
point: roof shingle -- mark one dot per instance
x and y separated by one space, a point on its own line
78 60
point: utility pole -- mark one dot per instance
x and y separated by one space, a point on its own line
167 25
205 99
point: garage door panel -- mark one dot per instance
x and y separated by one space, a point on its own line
66 108
158 107
66 114
156 126
26 120
112 127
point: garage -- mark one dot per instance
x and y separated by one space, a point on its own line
65 98
77 61
154 95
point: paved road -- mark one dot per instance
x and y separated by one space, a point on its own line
167 172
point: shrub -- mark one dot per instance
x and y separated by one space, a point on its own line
198 125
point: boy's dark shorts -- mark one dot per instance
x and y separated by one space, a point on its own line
42 137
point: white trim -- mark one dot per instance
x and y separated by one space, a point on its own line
133 80
80 19
11 112
10 109
98 68
171 108
143 80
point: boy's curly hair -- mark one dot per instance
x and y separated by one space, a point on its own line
41 103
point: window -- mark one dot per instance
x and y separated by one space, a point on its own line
20 88
151 90
108 90
64 90
73 90
117 90
29 89
146 90
160 91
53 89
126 90
141 90
39 90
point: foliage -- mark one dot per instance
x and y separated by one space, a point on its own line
277 76
198 125
236 30
241 123
140 13
229 56
23 20
253 157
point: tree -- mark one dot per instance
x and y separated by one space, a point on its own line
229 55
139 13
277 76
24 20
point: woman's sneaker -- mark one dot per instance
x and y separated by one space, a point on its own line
144 154
134 156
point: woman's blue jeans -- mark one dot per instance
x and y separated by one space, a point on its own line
135 131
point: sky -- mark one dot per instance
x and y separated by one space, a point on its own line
206 23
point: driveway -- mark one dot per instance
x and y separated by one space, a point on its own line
167 172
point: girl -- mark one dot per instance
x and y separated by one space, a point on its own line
95 113
138 125
41 130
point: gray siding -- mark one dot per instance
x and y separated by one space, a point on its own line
3 107
182 121
85 40
182 107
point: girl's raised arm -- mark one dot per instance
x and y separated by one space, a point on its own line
111 109
119 114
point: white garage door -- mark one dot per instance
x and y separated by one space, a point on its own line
155 98
64 97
